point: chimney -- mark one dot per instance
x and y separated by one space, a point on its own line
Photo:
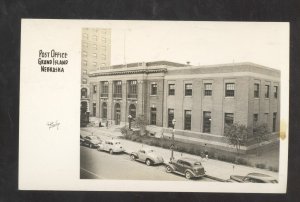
188 62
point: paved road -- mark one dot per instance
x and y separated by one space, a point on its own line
102 165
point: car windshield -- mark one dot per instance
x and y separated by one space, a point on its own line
197 164
149 151
117 142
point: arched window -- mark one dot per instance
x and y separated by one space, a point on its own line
132 110
104 110
117 114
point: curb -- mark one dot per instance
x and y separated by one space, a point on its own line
215 178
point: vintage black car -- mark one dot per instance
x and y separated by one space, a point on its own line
189 167
90 141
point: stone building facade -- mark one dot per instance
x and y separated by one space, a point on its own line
202 99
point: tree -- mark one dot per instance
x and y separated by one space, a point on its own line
237 135
140 122
260 133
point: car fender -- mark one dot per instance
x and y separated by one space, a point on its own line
193 173
135 154
172 166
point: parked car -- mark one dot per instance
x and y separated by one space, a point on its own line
112 146
253 178
90 141
186 166
147 155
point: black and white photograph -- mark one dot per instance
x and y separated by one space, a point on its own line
173 101
167 106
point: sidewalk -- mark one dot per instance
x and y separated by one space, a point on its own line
215 169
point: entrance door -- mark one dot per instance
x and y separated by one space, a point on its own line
117 114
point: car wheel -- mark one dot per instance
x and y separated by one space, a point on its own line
111 151
148 162
132 157
188 175
168 169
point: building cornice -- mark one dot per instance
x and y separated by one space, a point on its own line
138 71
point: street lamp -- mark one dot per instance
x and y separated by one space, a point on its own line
172 146
129 121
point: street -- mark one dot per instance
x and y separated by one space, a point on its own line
102 165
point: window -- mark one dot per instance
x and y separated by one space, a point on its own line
207 89
132 89
228 118
95 38
104 110
103 48
229 89
95 46
103 39
94 88
267 91
85 36
84 53
275 91
274 121
84 62
118 89
85 44
171 89
103 56
95 55
104 90
153 116
188 89
256 90
94 109
187 119
84 81
84 72
94 64
206 122
170 118
154 89
255 119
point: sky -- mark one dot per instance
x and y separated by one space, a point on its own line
201 43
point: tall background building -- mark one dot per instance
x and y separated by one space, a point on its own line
95 55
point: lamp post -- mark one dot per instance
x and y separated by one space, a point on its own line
172 146
129 121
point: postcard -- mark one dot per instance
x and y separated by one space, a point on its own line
113 105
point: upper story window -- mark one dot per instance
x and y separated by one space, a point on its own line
133 87
171 89
84 81
154 89
275 91
95 64
95 55
103 56
84 72
229 89
267 91
188 89
94 88
104 86
84 62
170 118
85 36
84 54
118 89
95 46
256 90
85 44
207 89
95 38
83 93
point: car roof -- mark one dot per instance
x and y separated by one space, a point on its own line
261 176
189 159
